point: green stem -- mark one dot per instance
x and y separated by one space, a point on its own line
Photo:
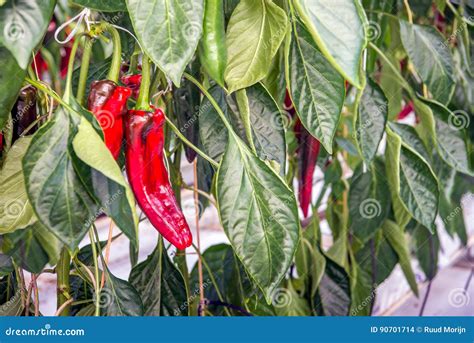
114 71
143 101
64 287
96 274
70 68
86 57
191 145
211 100
394 69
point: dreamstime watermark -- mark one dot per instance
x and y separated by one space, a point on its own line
370 208
452 38
106 298
105 120
88 223
13 31
459 120
19 115
188 207
12 209
280 120
196 293
44 331
192 29
366 302
371 31
458 297
281 297
458 209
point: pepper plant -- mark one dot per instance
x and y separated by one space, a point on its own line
331 136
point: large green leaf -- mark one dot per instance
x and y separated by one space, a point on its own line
105 180
338 27
316 89
23 24
431 57
160 285
57 195
168 31
450 138
370 120
103 5
410 138
10 83
396 238
15 211
254 34
259 215
413 185
120 298
368 202
267 126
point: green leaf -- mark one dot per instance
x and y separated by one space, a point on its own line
431 57
103 5
368 202
267 125
259 215
23 24
223 276
450 138
16 211
362 292
410 138
334 294
10 84
212 131
396 237
427 250
106 180
316 89
338 28
293 305
32 248
413 185
57 195
370 120
160 285
120 298
168 31
254 33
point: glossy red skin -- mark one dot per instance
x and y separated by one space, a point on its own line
148 176
133 82
308 156
108 102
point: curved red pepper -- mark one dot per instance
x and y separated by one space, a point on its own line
148 176
108 102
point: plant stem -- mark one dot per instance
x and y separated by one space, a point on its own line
114 71
96 274
196 205
211 100
409 12
143 101
70 68
64 288
86 57
191 145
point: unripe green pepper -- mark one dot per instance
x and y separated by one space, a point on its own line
212 49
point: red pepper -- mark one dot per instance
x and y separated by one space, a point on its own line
133 82
148 176
108 102
405 111
308 151
308 156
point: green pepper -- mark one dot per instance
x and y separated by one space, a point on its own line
212 50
